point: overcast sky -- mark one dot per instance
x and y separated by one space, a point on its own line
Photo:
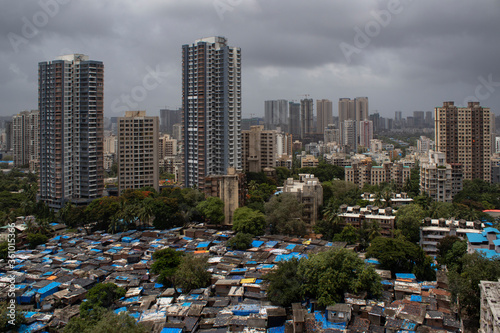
406 55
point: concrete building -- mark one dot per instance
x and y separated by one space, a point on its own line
464 135
110 144
349 134
211 99
137 151
365 133
331 134
167 146
324 114
361 173
424 144
487 242
308 161
70 101
365 217
285 161
306 117
440 180
346 110
230 189
294 119
376 146
309 192
259 149
490 307
284 144
26 137
276 114
168 118
433 230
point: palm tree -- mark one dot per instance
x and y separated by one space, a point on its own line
374 231
145 211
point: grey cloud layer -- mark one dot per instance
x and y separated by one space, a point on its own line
428 52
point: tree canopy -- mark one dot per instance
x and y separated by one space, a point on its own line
402 256
212 209
192 272
102 295
409 219
325 276
284 215
240 241
165 263
249 221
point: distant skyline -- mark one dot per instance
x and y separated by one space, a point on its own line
403 55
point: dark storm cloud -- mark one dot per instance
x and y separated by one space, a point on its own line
424 53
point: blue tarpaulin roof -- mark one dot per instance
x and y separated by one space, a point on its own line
203 244
321 317
290 247
49 287
476 238
416 298
489 229
257 243
271 243
119 310
490 254
171 330
406 276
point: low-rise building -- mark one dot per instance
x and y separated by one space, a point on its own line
490 307
433 230
309 192
440 180
229 188
366 216
308 161
487 242
363 172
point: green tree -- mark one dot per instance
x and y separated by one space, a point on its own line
401 256
101 296
349 234
6 321
212 209
104 321
284 215
409 219
240 241
35 239
166 262
285 283
412 185
445 245
4 250
464 285
192 272
328 275
249 221
167 213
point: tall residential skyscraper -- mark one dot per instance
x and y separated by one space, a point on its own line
306 117
137 151
357 110
70 101
464 135
26 133
168 118
294 119
211 98
276 114
324 114
365 133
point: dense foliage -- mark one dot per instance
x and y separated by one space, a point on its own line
212 210
464 280
166 262
247 220
102 295
104 321
401 256
192 272
325 276
284 215
240 241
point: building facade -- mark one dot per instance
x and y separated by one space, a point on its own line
211 99
70 101
309 192
25 137
168 118
365 217
276 114
440 180
365 133
137 151
464 135
259 149
230 189
324 114
306 117
490 307
361 173
294 119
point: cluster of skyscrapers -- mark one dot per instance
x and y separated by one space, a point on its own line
63 140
